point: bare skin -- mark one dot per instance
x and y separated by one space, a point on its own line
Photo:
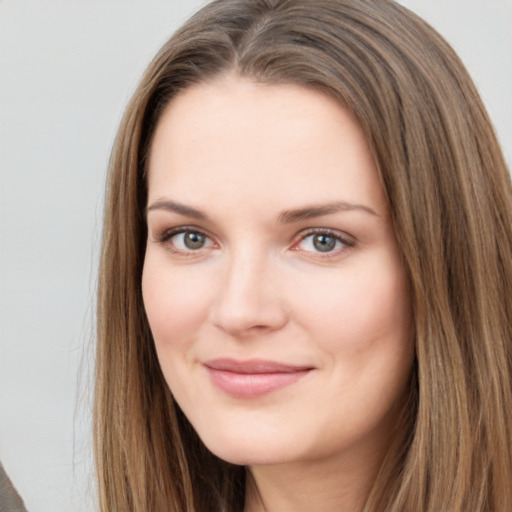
275 290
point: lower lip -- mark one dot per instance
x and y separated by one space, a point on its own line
252 385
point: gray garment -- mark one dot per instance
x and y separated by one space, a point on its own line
10 500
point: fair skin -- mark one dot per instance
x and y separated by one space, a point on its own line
275 290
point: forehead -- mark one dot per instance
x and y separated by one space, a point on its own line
233 135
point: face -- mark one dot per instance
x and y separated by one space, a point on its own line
272 280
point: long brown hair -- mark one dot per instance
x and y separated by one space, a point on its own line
451 202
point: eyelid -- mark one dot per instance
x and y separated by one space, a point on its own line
164 234
164 237
347 240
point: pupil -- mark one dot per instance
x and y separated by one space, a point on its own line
324 243
194 240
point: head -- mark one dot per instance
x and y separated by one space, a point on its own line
448 194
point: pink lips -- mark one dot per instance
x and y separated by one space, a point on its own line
253 378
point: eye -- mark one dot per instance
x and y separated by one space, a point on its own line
186 240
323 242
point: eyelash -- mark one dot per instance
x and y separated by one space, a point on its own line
346 241
166 236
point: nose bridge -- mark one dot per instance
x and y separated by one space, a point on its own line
245 264
248 297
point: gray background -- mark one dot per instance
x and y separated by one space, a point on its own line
67 68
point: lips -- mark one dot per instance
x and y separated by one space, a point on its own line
253 378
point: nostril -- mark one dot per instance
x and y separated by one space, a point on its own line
247 300
246 315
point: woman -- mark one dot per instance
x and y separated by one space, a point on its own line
306 276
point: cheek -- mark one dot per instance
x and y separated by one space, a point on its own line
175 302
358 311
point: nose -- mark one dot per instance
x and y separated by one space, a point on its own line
249 300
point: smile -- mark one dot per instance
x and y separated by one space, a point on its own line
253 378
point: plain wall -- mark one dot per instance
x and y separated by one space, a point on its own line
67 69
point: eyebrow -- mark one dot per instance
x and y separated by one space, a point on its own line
311 212
175 207
286 217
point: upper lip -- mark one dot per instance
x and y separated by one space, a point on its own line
253 366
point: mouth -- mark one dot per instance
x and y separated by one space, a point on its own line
253 378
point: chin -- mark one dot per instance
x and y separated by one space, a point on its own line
250 449
245 456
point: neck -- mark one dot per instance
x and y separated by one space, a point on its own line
302 487
340 483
